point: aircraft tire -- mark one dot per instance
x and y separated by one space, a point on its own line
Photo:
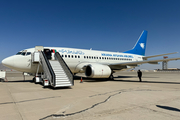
34 79
111 77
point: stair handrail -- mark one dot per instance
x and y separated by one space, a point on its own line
48 71
65 67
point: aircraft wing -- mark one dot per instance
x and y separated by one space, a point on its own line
135 63
146 57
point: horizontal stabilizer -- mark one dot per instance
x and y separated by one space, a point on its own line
146 57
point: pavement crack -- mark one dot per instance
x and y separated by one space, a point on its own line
105 93
38 99
6 103
16 106
29 100
70 114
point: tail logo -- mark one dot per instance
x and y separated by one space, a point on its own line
142 45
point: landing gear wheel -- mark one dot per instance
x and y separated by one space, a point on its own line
34 80
111 77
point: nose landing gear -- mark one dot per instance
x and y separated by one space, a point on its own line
111 77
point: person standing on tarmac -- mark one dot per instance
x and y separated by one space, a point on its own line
139 75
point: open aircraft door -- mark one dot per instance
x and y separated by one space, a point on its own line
35 55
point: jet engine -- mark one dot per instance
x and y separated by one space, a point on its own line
97 71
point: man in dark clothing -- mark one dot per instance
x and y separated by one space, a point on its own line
139 75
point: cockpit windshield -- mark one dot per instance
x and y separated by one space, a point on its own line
28 53
18 53
24 53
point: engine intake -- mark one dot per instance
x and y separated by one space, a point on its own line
97 71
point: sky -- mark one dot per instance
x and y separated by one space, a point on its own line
109 25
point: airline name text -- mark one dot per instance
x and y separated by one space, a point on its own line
116 55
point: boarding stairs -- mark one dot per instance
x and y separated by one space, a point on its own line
56 71
60 74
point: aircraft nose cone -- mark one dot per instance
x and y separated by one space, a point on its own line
8 62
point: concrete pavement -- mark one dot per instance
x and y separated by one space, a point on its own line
157 97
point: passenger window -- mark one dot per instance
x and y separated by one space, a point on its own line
84 57
68 56
99 57
65 55
78 56
75 56
72 56
89 57
62 55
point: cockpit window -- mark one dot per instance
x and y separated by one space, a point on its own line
23 53
28 53
18 53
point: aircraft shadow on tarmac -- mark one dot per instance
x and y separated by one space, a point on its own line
31 81
90 79
168 108
115 80
132 77
147 81
105 80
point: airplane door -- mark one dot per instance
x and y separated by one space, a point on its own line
48 53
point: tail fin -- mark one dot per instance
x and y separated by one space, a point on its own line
140 46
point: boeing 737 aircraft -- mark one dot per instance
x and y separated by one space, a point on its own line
95 64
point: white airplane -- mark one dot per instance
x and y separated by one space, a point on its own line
95 64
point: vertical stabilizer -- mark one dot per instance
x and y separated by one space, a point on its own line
140 46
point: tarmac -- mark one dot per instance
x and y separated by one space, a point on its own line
157 97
